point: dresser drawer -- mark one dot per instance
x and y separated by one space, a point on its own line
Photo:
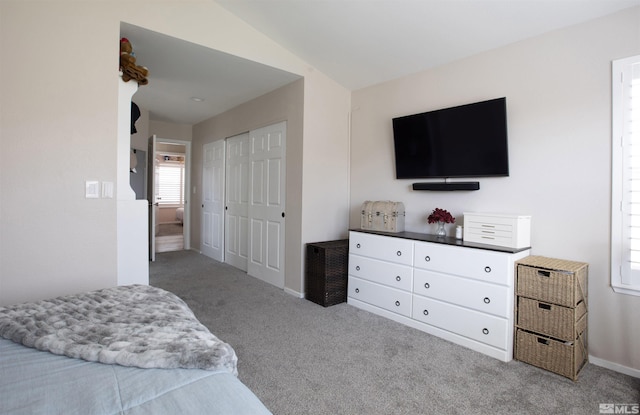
384 248
481 327
473 263
381 296
394 275
488 298
487 236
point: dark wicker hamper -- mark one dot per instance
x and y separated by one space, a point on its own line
326 272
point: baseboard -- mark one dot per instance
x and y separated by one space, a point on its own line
293 293
615 367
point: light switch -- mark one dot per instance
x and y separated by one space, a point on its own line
107 190
92 189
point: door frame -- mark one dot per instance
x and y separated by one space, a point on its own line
186 228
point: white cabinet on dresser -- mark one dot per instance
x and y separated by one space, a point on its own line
459 292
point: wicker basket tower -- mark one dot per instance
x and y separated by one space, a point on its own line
551 314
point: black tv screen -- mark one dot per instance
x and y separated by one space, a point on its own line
464 141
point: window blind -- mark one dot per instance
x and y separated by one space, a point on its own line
626 176
633 137
170 183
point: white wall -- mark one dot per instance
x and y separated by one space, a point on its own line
325 169
53 120
162 129
60 119
559 105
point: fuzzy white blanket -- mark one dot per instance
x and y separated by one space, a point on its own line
135 325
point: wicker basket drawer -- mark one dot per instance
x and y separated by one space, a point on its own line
551 280
326 272
553 320
563 358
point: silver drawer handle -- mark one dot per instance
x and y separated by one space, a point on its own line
397 303
485 331
487 269
487 300
398 278
425 312
357 245
357 290
399 253
357 267
426 285
427 258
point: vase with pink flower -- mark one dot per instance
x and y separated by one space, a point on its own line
440 217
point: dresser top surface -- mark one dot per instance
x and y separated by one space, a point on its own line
425 237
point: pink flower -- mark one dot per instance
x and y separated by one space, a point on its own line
440 215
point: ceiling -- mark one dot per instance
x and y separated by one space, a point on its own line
180 71
358 43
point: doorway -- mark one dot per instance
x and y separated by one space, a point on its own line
170 182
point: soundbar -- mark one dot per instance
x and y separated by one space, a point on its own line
447 186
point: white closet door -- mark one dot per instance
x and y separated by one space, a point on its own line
237 202
267 204
213 200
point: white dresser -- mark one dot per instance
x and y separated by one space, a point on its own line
459 291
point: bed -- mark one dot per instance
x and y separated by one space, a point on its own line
123 350
180 215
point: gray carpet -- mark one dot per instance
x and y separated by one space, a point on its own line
302 358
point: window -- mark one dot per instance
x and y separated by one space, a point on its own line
170 181
625 209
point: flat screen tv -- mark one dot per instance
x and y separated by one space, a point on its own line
464 141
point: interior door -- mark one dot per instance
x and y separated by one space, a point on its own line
213 200
237 202
151 196
267 204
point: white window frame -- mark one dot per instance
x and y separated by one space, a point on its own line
625 241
